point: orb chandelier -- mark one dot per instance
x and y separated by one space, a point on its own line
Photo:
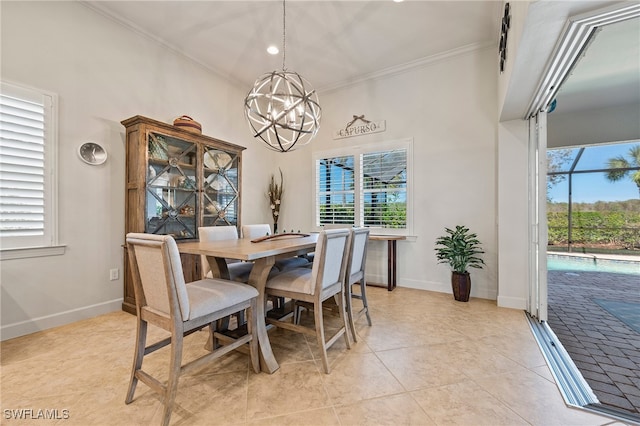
282 108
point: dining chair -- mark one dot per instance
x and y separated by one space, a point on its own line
355 274
323 281
256 230
238 271
262 229
165 301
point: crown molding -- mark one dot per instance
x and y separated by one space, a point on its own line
408 66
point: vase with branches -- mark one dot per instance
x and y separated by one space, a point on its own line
275 199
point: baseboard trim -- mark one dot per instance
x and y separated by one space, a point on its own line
479 292
512 302
34 325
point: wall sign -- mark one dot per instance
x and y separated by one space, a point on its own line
360 126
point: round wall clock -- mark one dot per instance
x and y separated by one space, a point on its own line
92 153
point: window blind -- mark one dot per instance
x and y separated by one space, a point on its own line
22 167
335 179
384 186
367 185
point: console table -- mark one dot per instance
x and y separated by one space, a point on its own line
391 256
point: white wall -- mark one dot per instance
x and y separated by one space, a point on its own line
103 74
513 207
449 109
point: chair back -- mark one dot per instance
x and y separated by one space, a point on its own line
256 231
217 233
357 256
330 262
158 280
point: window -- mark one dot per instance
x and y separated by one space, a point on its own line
27 148
365 186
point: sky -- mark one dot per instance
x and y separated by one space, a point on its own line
592 187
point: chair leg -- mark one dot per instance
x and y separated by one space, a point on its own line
174 375
141 340
213 342
349 309
317 311
252 328
363 295
343 316
297 310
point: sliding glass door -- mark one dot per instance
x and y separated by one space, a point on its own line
537 301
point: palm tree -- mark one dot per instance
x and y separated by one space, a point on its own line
622 163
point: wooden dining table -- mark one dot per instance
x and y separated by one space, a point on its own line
263 254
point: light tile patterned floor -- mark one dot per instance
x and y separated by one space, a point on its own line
427 360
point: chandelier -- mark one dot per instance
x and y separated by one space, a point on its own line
282 108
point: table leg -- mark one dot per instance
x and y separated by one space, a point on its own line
391 265
258 279
218 266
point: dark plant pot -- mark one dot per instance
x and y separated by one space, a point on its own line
461 284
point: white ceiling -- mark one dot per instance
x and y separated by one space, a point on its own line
333 43
330 43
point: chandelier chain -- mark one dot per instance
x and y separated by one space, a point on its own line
284 33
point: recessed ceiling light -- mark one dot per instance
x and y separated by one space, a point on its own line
398 1
273 50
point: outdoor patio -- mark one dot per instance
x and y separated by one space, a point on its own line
596 317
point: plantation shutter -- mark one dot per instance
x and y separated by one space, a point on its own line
384 186
23 184
335 180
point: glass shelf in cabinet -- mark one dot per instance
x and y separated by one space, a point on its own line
164 163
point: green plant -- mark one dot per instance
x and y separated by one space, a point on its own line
459 248
622 166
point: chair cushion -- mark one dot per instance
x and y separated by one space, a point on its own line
289 263
211 295
239 270
298 280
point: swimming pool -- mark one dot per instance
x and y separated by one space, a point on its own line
558 262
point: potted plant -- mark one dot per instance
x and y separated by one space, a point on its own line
460 249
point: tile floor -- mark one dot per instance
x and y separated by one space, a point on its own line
427 360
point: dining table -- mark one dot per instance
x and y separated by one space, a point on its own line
263 252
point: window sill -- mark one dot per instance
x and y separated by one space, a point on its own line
24 253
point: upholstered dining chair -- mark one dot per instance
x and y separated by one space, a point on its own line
256 230
165 301
238 271
355 275
323 281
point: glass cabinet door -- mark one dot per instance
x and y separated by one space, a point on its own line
220 187
172 189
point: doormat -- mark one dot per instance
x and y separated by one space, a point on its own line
628 313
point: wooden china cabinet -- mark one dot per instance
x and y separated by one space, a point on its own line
177 181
